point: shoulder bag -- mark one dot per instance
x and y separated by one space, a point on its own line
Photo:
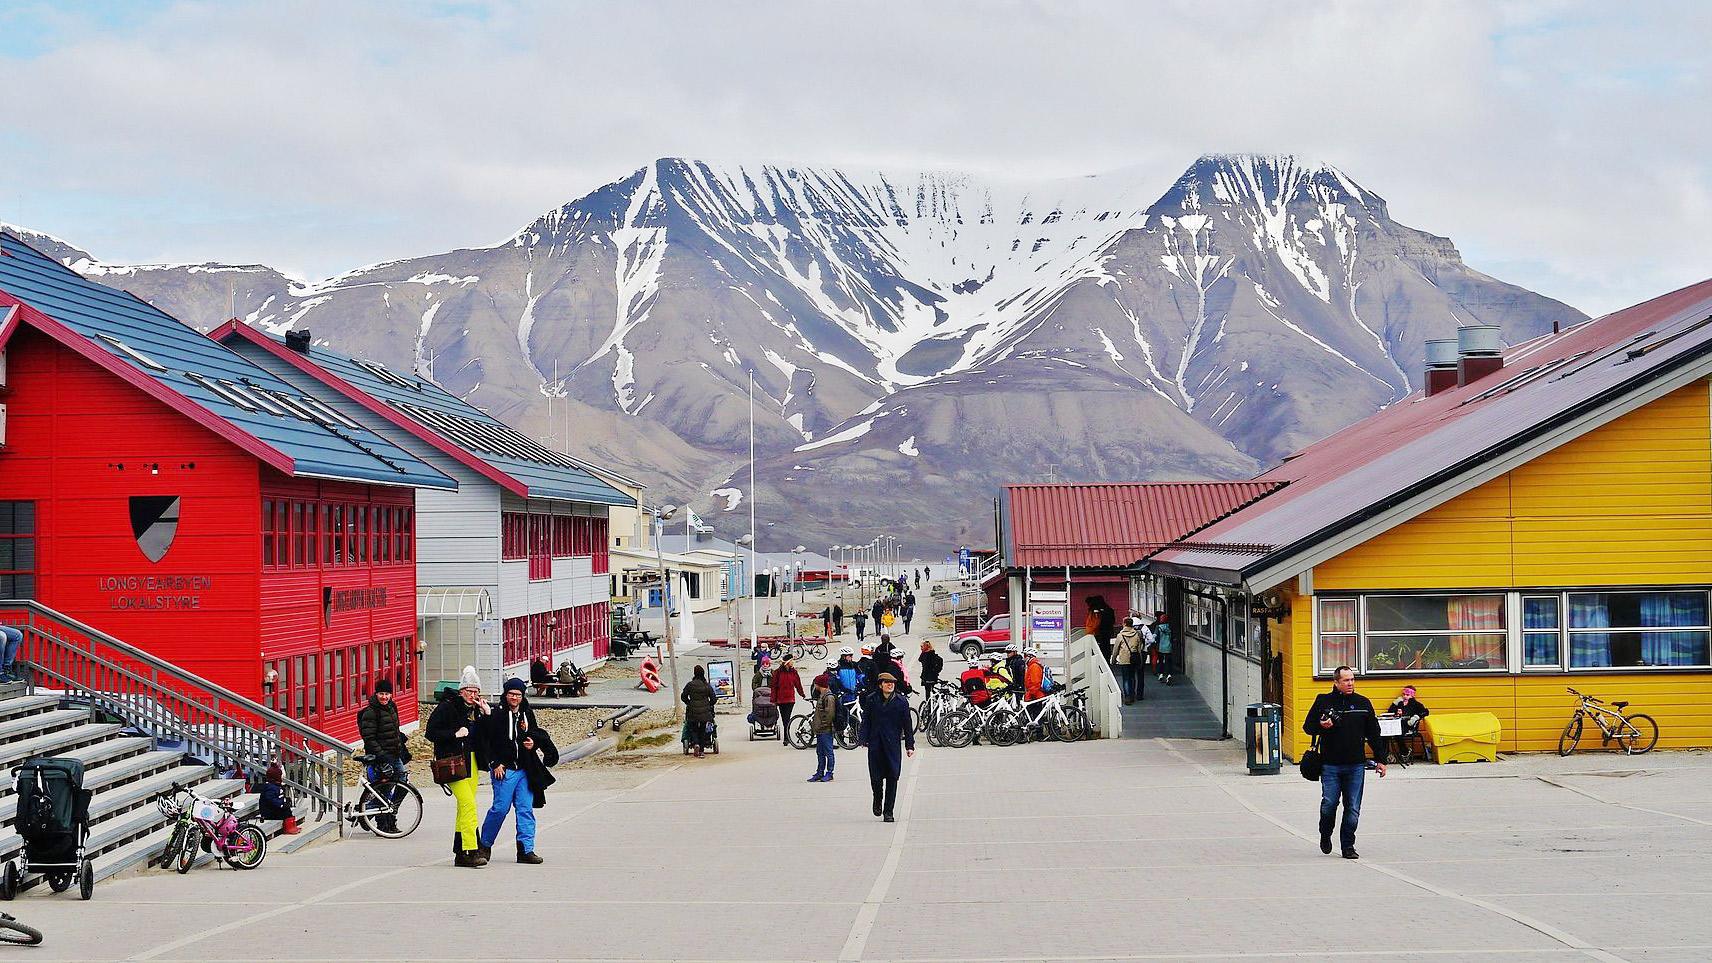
1310 765
451 769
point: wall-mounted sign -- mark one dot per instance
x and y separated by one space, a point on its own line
348 600
154 522
154 593
723 677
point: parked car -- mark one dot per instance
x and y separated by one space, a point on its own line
992 636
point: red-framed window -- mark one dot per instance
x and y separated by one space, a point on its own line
309 534
316 686
602 547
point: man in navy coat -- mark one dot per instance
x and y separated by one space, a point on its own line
887 733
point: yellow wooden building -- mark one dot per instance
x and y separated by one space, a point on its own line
1539 517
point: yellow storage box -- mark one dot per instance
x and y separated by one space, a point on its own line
1463 736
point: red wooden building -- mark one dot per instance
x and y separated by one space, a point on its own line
158 487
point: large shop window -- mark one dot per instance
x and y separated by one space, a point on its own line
1557 631
17 550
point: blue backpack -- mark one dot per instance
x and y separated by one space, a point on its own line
1047 683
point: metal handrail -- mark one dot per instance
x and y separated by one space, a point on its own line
157 697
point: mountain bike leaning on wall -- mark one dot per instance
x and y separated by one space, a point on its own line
1633 734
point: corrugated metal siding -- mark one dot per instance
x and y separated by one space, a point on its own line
1112 525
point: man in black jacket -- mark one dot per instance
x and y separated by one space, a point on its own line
1345 725
377 723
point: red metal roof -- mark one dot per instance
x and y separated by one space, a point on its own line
1112 525
1420 441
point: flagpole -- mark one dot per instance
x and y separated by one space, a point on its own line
754 623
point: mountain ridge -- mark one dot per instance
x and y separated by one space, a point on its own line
928 334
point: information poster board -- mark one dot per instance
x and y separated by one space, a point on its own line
1047 618
723 677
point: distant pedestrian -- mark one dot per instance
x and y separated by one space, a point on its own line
887 733
510 731
1128 651
1343 725
861 620
908 612
698 697
1163 645
787 685
825 724
838 620
877 610
455 730
932 663
826 621
1102 624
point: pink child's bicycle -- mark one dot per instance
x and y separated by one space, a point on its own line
241 843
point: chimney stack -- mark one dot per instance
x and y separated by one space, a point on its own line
1480 352
298 340
1441 365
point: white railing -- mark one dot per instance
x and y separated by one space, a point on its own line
1087 667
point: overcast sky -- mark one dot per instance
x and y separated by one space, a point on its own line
1563 146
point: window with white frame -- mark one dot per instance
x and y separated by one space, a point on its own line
1529 630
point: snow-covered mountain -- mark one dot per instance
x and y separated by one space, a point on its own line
916 338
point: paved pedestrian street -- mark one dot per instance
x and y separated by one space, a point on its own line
1117 850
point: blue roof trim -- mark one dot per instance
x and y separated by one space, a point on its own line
99 313
543 480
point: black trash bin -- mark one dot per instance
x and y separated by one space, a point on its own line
1264 757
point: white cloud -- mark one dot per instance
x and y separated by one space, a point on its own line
1561 145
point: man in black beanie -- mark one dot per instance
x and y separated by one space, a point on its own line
377 723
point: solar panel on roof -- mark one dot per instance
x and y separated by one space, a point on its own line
492 437
388 375
133 353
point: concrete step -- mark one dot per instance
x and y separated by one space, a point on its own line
27 706
41 723
96 754
59 743
310 833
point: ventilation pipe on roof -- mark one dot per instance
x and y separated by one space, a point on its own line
1441 365
1480 352
298 340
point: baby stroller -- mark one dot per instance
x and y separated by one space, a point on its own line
764 716
53 821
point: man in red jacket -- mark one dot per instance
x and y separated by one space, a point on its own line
1034 677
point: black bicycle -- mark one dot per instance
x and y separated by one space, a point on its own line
16 933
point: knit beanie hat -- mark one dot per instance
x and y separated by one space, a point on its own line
469 680
515 684
384 685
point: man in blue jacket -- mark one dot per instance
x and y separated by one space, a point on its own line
887 733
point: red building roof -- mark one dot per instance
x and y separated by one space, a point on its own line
1402 460
1112 525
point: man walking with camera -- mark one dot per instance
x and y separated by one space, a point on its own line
1344 724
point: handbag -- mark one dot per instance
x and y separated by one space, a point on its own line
451 769
1310 765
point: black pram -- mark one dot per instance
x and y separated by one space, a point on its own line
763 715
53 821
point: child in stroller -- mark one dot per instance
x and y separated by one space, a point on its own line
764 716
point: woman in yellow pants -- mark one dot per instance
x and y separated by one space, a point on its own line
455 729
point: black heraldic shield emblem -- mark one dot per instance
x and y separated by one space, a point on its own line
154 521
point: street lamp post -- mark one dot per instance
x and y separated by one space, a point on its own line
802 588
660 516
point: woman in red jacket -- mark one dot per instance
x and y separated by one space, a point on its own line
787 685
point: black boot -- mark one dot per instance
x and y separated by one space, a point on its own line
528 856
482 854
